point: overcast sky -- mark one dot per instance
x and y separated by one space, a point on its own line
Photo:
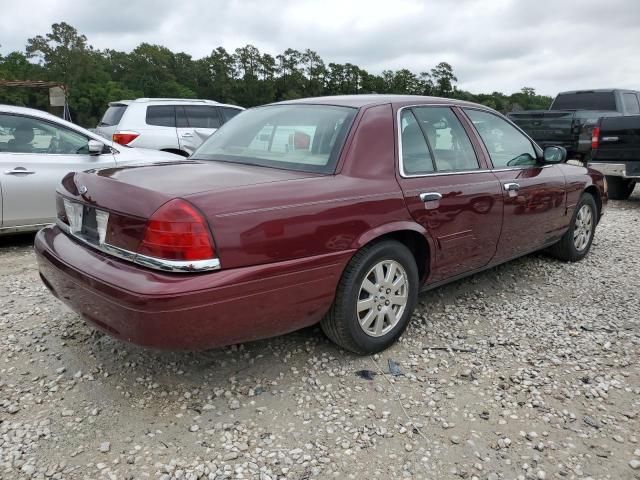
501 45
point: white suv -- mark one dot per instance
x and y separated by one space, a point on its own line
173 125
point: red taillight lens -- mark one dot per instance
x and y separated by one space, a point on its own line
124 138
595 138
177 231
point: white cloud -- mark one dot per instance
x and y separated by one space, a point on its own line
492 44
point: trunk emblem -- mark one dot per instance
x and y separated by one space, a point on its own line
82 189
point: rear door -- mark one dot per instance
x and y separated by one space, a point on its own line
534 194
195 124
449 189
34 156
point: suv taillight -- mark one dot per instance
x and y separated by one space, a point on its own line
124 138
595 138
177 231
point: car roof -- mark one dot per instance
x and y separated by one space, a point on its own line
368 100
599 90
193 101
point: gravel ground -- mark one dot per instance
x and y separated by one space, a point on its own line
527 371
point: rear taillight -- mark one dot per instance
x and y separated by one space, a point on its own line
595 138
177 231
125 138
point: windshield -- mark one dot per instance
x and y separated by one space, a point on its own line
293 137
585 101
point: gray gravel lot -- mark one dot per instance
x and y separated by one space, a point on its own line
527 371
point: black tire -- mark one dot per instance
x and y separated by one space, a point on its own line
620 188
341 323
566 249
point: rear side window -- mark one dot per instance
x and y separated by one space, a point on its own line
112 116
585 101
161 115
631 104
450 145
229 113
416 157
202 117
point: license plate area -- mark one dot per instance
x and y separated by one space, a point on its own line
87 222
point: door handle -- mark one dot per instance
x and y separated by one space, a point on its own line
19 171
430 197
186 135
511 187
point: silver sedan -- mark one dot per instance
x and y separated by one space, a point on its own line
37 149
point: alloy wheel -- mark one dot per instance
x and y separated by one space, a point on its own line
383 298
583 228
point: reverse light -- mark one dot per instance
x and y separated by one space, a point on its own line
124 138
177 231
595 138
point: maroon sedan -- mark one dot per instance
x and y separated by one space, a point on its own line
337 210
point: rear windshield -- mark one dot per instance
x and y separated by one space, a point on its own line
293 137
585 101
113 115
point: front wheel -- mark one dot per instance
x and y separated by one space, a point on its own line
374 299
576 242
620 188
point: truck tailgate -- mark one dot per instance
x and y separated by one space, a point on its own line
619 139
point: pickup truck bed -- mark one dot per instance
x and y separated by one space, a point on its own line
570 129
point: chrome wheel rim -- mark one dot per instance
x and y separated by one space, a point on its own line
583 228
382 298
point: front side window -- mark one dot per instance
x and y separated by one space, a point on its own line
29 135
295 137
202 117
507 146
161 115
450 145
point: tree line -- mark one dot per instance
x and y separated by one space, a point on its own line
245 77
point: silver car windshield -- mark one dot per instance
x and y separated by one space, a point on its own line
294 137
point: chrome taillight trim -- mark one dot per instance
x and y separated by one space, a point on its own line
178 266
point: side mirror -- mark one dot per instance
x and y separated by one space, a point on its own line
95 147
554 154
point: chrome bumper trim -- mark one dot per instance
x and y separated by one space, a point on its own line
143 260
611 169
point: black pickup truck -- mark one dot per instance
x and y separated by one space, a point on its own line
571 117
615 152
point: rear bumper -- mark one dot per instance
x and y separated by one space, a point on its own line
618 169
179 311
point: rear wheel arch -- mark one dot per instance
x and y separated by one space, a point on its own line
411 236
593 191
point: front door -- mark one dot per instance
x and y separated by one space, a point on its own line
534 193
449 190
34 156
195 124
